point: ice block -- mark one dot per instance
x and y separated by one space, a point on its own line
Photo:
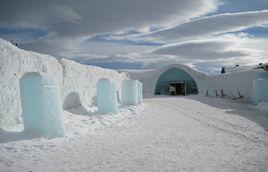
106 96
260 90
129 92
41 105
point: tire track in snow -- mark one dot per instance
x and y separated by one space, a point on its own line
193 115
223 121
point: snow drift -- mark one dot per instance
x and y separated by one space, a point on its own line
77 82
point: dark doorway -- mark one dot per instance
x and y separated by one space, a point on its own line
184 84
177 88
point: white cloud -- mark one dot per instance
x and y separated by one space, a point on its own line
211 25
70 18
60 13
223 50
202 49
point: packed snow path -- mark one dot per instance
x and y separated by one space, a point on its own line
167 134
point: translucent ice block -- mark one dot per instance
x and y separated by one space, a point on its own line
129 92
40 100
260 90
106 96
140 92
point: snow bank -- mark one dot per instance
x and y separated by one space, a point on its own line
77 81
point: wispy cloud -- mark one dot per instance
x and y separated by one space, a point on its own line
211 25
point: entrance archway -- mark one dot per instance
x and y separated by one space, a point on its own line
175 81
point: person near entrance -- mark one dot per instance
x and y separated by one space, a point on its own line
172 90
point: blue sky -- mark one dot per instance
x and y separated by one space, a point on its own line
203 34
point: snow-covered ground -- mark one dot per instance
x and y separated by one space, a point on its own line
191 133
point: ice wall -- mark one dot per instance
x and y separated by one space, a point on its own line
41 105
74 78
130 92
106 96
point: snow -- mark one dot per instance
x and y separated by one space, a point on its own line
78 82
191 133
106 96
262 106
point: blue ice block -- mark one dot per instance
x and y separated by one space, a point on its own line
129 92
140 92
260 90
40 100
106 96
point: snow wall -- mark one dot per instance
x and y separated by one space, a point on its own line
78 82
231 83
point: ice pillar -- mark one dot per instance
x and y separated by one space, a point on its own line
139 92
106 96
40 100
130 93
260 90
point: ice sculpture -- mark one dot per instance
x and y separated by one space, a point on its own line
140 92
260 90
106 96
40 100
130 92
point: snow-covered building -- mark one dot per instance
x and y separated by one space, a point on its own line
183 78
179 79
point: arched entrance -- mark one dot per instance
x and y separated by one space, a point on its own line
175 81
